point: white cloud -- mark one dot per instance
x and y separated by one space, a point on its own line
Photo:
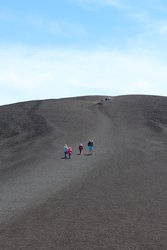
41 73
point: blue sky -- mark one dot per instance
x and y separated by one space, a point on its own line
54 49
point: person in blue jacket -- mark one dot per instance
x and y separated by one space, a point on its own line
90 146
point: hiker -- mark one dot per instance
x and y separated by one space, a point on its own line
80 148
65 151
70 152
90 146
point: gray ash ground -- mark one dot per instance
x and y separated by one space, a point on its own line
113 199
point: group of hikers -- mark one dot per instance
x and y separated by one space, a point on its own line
68 149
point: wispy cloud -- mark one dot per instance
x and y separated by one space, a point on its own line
148 29
40 74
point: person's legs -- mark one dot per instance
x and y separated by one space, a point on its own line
65 154
92 149
69 156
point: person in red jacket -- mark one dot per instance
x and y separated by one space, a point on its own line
70 152
80 148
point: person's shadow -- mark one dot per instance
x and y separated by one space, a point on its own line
88 154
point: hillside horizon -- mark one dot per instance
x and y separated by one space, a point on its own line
81 97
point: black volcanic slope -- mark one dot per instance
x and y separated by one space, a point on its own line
113 199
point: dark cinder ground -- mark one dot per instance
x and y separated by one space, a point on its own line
114 199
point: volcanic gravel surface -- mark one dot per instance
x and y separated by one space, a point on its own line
115 198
